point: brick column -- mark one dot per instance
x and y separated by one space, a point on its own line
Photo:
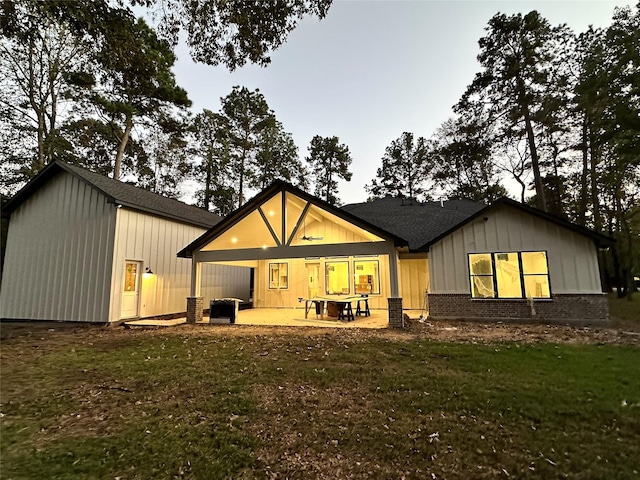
396 318
195 306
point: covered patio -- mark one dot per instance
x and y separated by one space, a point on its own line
301 248
283 317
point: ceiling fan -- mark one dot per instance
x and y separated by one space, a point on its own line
308 238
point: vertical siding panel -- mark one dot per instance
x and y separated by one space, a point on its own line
49 273
114 303
57 254
64 239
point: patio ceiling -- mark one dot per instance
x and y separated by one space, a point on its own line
284 221
285 225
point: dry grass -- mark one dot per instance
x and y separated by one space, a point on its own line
452 400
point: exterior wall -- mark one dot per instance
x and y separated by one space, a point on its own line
58 258
298 285
413 276
570 308
155 242
572 258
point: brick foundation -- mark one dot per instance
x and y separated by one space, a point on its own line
568 308
195 307
396 317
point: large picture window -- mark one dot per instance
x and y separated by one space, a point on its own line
337 278
509 275
367 277
278 275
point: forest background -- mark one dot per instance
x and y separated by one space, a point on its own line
552 111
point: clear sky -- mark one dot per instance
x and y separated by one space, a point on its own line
374 69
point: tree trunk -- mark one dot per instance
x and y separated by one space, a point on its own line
207 182
535 165
241 186
595 200
584 177
38 108
41 126
123 144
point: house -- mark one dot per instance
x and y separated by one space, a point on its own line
458 259
84 247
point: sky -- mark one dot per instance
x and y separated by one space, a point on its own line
372 70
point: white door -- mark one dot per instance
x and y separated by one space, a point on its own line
313 279
131 293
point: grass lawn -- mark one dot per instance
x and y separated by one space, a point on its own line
231 403
625 312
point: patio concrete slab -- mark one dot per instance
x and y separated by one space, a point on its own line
285 317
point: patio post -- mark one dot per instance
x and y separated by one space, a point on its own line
393 272
396 318
195 302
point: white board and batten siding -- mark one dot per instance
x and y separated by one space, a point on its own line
298 286
58 260
572 258
413 278
155 241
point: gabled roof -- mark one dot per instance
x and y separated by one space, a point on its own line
599 239
425 223
118 193
281 186
418 222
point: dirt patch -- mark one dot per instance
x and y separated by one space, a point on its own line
479 332
52 336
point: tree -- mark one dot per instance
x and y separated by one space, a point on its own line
213 170
167 162
516 59
135 81
244 117
91 143
38 53
329 160
406 167
277 158
54 48
220 32
622 167
242 147
462 159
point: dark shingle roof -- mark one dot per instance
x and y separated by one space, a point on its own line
416 222
423 224
121 193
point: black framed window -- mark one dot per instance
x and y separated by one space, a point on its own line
509 275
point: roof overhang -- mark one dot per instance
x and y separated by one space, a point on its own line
272 190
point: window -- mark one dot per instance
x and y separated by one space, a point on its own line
509 275
481 270
535 273
278 275
507 268
367 277
337 278
131 277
